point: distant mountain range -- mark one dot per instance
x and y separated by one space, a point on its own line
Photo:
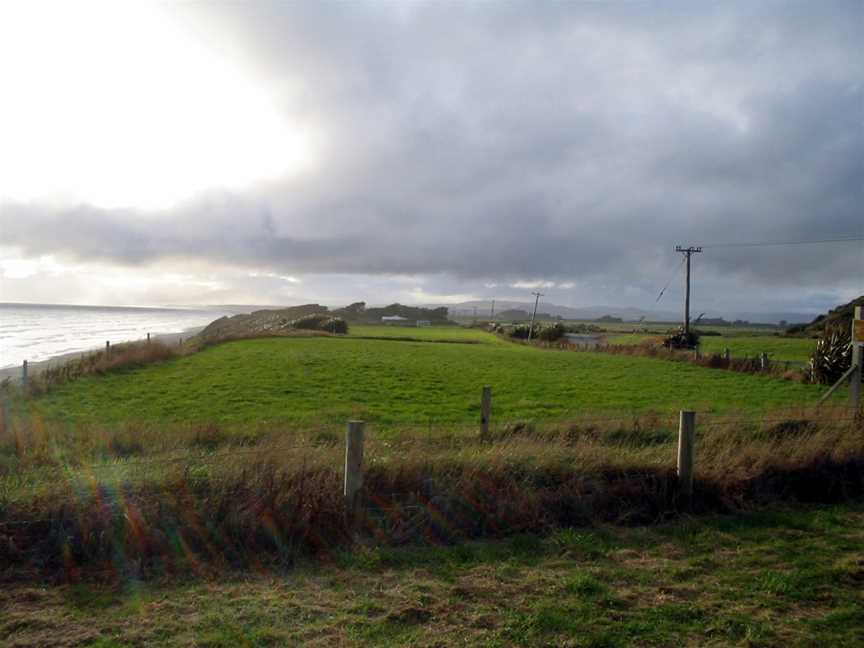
626 313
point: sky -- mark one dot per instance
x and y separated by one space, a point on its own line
431 152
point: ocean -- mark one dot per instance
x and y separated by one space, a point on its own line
36 332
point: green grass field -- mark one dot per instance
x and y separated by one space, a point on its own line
429 333
783 578
320 380
795 350
777 348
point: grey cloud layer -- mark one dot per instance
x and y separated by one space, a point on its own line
529 140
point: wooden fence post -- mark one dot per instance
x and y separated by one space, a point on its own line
857 359
763 361
686 439
24 374
485 409
107 348
727 355
353 469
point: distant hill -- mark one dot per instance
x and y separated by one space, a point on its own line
836 317
519 315
626 313
556 310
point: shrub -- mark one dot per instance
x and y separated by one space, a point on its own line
681 340
551 332
547 332
832 356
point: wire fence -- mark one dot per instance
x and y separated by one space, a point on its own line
463 437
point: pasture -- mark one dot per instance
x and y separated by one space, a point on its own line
425 333
796 350
211 483
323 380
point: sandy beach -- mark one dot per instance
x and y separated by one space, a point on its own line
34 368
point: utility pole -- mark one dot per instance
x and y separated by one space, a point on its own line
492 312
857 360
537 296
688 251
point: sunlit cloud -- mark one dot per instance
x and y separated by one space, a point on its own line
532 285
110 103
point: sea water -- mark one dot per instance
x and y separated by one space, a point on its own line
36 332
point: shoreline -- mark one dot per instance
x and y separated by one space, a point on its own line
34 368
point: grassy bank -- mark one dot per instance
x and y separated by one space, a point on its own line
787 578
315 380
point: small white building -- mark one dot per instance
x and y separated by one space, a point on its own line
394 319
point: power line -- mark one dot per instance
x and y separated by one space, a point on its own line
848 239
674 274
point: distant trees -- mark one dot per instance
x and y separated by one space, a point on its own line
513 315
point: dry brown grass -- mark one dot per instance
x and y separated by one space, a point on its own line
121 356
156 499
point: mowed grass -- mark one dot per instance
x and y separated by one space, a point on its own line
329 380
781 349
783 578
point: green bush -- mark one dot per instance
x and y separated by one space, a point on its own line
320 322
551 332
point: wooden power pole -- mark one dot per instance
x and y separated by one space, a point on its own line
857 360
688 251
537 296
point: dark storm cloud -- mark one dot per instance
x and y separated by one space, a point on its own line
526 140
